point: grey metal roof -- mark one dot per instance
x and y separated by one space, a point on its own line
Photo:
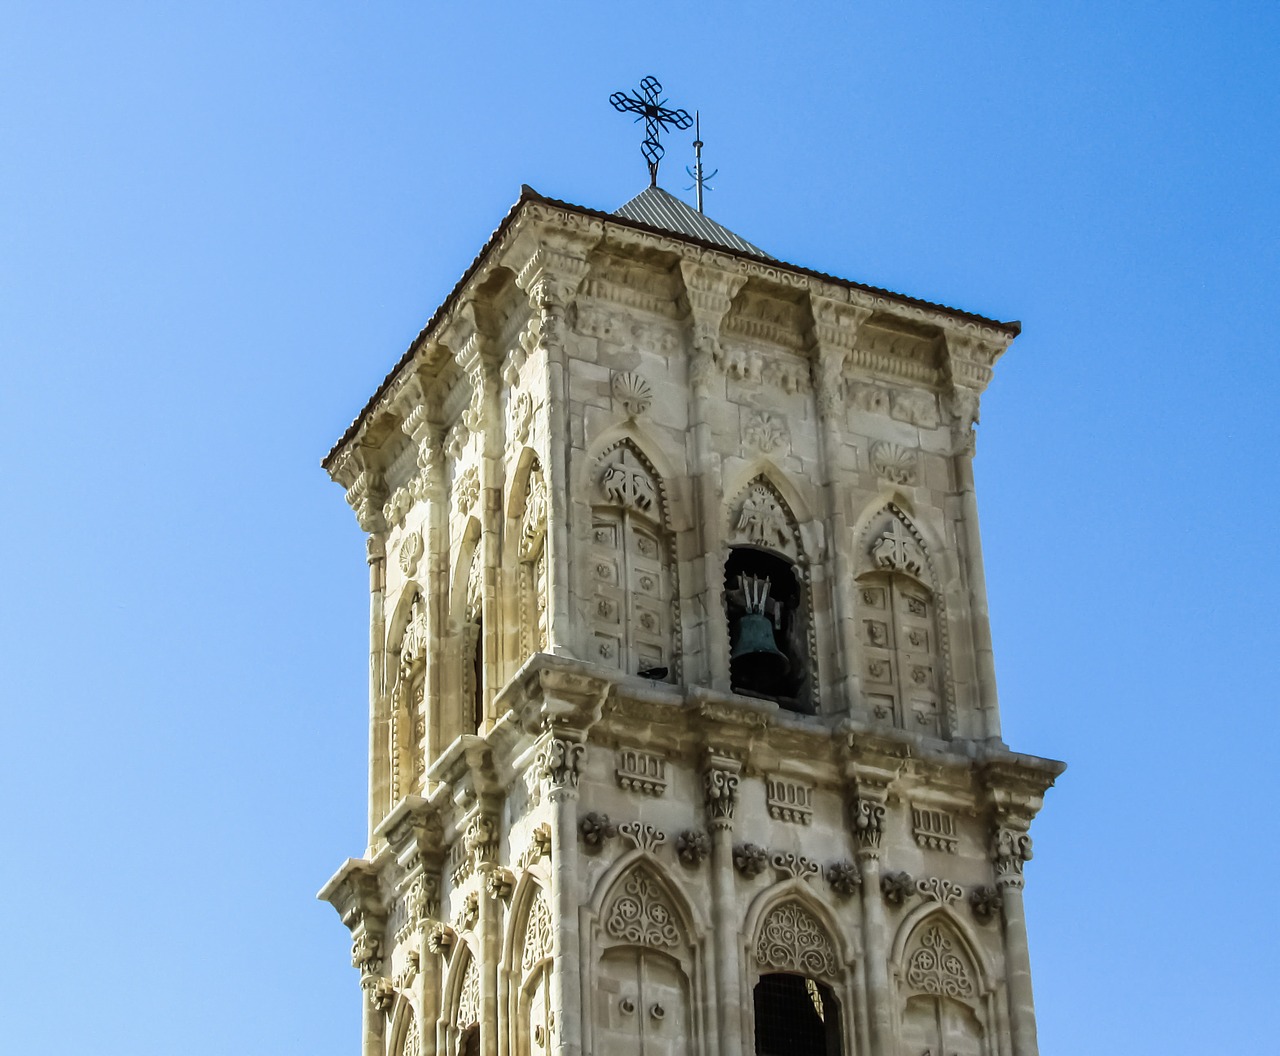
657 208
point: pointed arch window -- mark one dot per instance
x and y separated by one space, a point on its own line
473 646
630 568
532 572
902 650
943 1009
408 711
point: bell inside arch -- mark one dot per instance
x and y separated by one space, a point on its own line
757 662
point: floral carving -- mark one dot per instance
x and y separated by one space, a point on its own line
1010 849
896 887
595 828
382 993
366 952
469 996
893 462
537 934
720 793
642 836
692 847
633 392
792 940
466 490
559 762
750 859
520 416
470 912
765 431
499 883
935 968
868 823
796 866
935 889
641 913
410 553
844 878
440 939
985 901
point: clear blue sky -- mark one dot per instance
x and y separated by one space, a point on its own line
222 223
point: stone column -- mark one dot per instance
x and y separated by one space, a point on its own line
559 764
710 292
720 791
379 710
489 931
1010 849
867 810
835 330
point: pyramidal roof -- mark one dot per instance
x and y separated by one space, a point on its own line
657 208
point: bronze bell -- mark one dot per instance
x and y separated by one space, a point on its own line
756 661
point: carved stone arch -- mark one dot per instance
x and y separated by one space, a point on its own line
760 518
798 502
407 647
691 920
649 447
461 1005
405 1031
631 566
466 605
526 967
904 625
526 558
529 932
946 1000
790 929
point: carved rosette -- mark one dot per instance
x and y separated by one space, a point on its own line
897 887
692 847
844 878
595 828
750 859
985 901
720 795
792 940
1010 849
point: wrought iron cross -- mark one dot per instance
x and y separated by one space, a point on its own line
657 118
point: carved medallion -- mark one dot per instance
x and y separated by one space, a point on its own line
632 392
893 462
410 553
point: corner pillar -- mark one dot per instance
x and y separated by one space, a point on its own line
720 795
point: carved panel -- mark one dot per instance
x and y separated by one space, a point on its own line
894 463
792 940
412 1045
761 519
642 772
765 431
632 392
641 913
934 830
789 800
936 966
469 996
537 934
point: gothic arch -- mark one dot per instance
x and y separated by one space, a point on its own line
405 1030
648 446
466 611
946 997
689 921
524 565
631 566
797 503
903 624
525 978
404 679
461 1005
798 894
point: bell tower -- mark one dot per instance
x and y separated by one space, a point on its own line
684 735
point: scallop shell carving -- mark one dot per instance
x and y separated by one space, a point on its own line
633 392
410 553
893 462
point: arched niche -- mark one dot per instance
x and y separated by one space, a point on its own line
461 1006
902 627
631 567
768 599
945 997
800 986
527 967
526 555
408 648
405 1033
467 618
645 964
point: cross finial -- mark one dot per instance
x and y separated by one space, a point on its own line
657 116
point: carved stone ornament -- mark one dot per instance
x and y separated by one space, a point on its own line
519 416
595 828
382 994
440 939
466 490
934 830
1010 849
934 967
897 551
499 883
632 392
692 847
896 887
469 996
764 431
533 522
410 553
844 878
412 1045
641 914
934 889
750 859
761 521
559 762
868 823
470 911
893 462
720 793
789 800
625 481
642 772
409 971
642 836
366 952
481 838
792 940
539 846
537 934
795 866
985 901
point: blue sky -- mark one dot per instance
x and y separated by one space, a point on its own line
220 224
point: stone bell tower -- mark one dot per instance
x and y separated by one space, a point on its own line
683 726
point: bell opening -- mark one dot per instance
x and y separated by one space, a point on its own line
762 602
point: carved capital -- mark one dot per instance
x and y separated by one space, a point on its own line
560 761
720 790
867 822
366 497
1010 850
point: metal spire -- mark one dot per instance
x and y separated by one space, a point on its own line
699 180
657 117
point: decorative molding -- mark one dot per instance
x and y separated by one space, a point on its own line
844 878
934 830
896 887
934 967
692 847
789 800
643 772
594 828
632 392
765 431
750 859
641 914
469 996
935 889
795 866
894 463
792 940
642 836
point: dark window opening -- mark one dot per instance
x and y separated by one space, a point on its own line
796 1016
477 676
767 634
